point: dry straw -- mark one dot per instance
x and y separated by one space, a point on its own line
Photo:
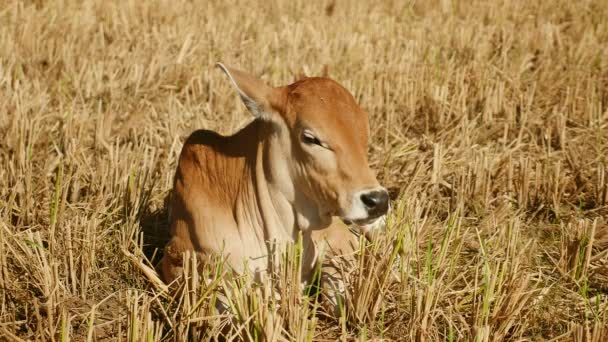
489 125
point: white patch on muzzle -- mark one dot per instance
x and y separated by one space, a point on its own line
368 229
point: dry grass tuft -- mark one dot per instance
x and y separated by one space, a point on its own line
489 125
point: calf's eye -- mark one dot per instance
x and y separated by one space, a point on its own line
310 139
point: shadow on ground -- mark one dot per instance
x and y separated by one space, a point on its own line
154 225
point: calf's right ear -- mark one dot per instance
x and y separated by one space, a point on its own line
262 100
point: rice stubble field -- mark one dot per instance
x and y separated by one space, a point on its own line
489 126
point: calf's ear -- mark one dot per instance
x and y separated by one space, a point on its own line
262 100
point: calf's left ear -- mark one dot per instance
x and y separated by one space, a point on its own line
262 100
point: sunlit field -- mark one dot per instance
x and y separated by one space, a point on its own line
489 126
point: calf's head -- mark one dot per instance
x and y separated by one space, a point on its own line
324 138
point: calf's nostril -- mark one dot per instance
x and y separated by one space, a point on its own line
370 199
376 202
